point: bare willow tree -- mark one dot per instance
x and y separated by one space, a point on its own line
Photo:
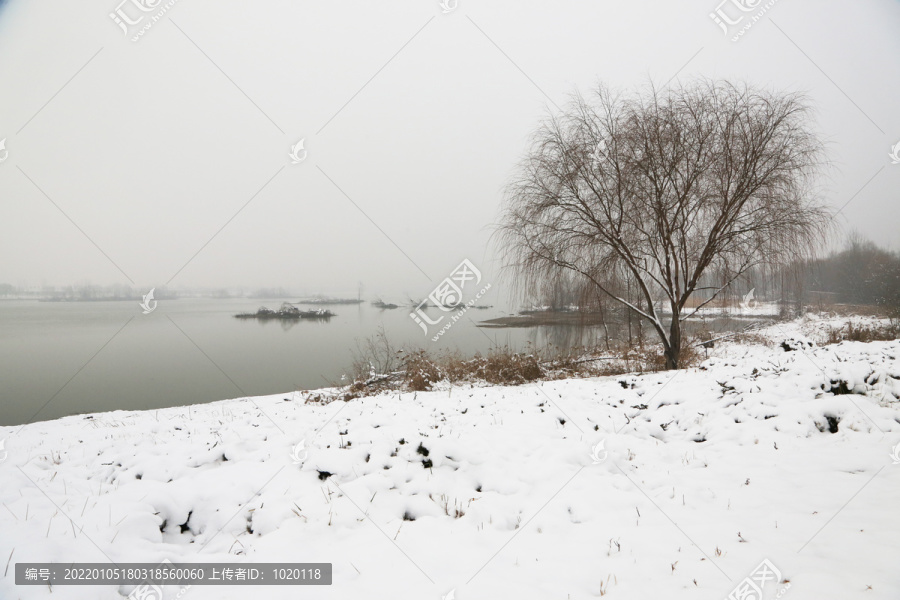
655 188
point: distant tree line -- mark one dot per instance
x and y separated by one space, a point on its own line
860 273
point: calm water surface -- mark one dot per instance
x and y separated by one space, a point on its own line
60 359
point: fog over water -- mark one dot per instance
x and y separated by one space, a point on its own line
166 160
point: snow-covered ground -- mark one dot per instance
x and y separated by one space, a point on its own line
754 309
701 475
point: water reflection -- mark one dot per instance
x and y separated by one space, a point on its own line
100 356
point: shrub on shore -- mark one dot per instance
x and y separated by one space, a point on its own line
379 367
884 331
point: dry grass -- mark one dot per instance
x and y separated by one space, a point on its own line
751 337
422 370
864 333
852 310
378 367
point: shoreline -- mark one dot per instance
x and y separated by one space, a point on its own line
772 329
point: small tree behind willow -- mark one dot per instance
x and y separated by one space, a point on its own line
654 189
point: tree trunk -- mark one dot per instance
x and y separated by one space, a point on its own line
673 352
603 321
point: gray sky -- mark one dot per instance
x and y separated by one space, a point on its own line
151 147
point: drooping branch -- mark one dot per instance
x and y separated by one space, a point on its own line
660 188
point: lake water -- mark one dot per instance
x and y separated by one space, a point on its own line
60 358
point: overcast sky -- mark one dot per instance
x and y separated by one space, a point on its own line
174 150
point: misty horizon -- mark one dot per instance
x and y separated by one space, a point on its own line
167 161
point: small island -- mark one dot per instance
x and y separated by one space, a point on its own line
286 312
384 305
